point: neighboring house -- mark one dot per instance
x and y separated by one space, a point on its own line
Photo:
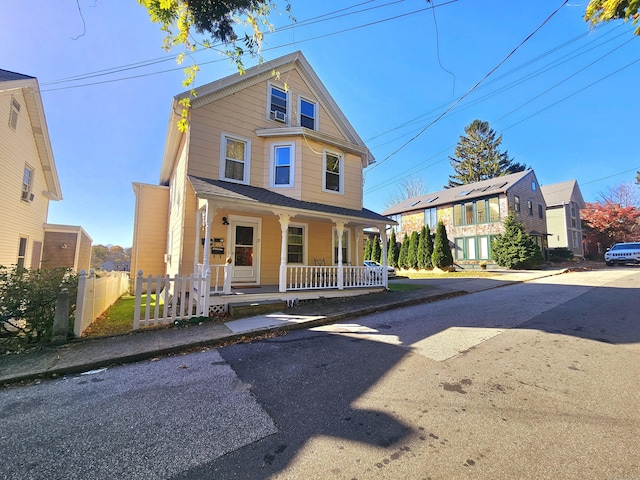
268 177
474 213
66 246
29 178
564 202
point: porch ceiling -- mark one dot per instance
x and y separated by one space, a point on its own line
259 200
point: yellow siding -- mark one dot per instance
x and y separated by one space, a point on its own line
150 229
17 217
556 223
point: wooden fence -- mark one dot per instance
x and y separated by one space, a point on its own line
96 294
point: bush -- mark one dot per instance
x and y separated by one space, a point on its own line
441 256
28 303
560 254
393 251
515 249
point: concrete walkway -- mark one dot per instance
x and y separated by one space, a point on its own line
90 354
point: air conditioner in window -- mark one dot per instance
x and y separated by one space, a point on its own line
167 258
27 196
278 116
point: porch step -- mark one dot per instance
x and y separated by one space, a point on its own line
249 309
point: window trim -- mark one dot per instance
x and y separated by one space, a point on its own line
516 203
315 111
340 156
540 211
305 242
223 157
530 207
27 188
14 113
22 252
273 166
424 217
287 107
463 213
334 246
461 253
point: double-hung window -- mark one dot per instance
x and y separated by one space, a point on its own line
278 104
282 165
431 217
22 252
235 154
530 207
13 113
486 210
27 183
308 114
332 180
295 244
516 204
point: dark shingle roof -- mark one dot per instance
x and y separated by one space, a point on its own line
210 187
6 76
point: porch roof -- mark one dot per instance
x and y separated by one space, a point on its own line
207 187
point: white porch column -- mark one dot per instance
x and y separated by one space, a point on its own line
284 229
340 232
385 273
196 250
210 213
359 252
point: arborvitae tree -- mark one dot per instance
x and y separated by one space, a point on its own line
515 248
424 256
404 249
441 256
412 253
392 251
429 248
376 251
367 250
477 156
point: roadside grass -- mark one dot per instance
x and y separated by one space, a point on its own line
429 274
118 319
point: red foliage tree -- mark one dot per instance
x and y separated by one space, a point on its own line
610 222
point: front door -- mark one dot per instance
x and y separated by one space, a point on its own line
246 253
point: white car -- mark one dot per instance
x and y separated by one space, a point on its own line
391 272
623 253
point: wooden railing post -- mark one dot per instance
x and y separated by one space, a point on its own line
80 303
136 313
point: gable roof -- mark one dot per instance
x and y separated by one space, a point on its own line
447 196
561 193
28 86
260 73
239 193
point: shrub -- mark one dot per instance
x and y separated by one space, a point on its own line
28 303
392 253
425 248
376 251
412 253
367 250
515 249
441 256
404 249
560 254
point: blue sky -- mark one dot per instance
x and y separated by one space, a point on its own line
565 100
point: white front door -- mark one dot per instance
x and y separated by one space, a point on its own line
246 251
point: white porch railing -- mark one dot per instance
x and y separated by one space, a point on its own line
167 299
326 277
220 277
95 295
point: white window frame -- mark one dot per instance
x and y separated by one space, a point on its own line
14 113
27 188
223 157
340 156
315 118
305 242
292 162
334 245
287 113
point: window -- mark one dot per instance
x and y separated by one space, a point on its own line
473 248
516 204
397 218
27 184
345 247
282 160
533 186
235 154
540 211
307 114
13 113
295 244
332 166
431 217
573 215
278 104
480 211
530 207
22 252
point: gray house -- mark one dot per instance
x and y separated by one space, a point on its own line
564 202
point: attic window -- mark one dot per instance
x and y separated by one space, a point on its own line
429 200
307 114
278 103
414 203
464 193
13 114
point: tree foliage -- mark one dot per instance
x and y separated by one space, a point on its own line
412 253
367 250
599 11
376 250
215 21
625 194
101 254
441 256
515 248
404 250
393 251
477 156
425 248
611 222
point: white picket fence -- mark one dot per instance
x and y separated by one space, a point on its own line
162 300
96 294
306 277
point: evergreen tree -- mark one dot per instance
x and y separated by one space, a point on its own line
367 250
441 256
515 248
424 255
477 156
404 249
392 253
412 253
429 248
376 251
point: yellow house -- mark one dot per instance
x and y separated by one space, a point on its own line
268 179
29 178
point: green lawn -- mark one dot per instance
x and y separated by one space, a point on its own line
118 319
463 274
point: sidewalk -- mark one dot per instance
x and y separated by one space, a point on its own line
85 355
